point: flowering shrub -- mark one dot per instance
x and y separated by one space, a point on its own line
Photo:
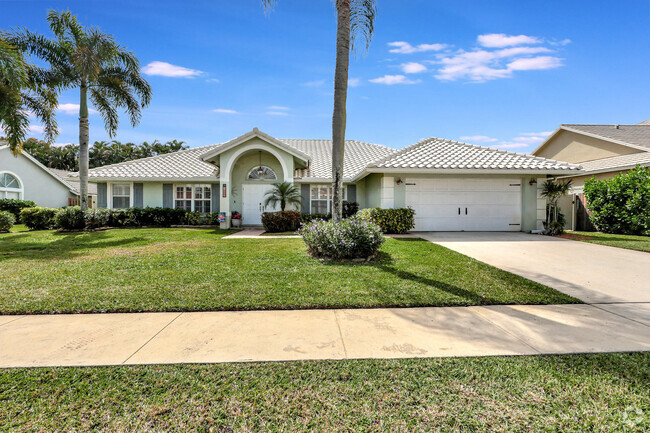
283 221
7 221
38 218
348 239
70 218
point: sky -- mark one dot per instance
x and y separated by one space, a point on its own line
499 73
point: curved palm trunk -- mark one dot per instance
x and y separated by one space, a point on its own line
340 100
83 146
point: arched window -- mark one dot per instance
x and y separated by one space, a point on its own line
262 172
10 186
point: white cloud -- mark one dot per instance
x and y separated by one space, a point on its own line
212 80
168 70
224 111
36 129
532 63
413 68
499 40
73 109
525 140
277 113
510 145
402 47
277 108
353 82
393 79
478 139
315 83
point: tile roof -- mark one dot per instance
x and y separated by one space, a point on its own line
614 163
72 179
635 135
440 154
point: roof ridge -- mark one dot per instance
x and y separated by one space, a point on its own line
347 139
400 151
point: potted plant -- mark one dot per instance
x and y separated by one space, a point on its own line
235 219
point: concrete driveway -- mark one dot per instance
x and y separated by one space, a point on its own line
596 274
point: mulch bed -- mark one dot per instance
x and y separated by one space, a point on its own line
575 237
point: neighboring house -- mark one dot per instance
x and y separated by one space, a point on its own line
72 178
603 151
24 178
451 185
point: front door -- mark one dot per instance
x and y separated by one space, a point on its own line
253 203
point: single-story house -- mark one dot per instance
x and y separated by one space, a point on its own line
452 186
22 177
603 151
72 178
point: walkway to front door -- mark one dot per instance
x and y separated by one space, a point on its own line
253 203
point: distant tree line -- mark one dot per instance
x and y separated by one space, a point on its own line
101 153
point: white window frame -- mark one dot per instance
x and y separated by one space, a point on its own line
20 190
109 193
250 179
193 200
330 194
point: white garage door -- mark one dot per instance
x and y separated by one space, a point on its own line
465 204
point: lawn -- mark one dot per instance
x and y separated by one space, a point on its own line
196 270
568 393
630 242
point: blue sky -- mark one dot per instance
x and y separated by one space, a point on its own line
498 73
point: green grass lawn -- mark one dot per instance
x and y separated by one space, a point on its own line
196 270
630 242
569 393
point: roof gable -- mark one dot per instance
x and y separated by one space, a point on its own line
633 136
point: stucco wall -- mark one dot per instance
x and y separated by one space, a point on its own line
373 190
571 147
38 185
243 166
152 194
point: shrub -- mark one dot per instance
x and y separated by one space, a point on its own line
350 208
309 217
38 218
351 238
96 218
7 221
214 219
15 206
193 218
620 204
397 221
70 218
283 221
161 217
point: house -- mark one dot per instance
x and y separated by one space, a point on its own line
72 179
22 177
603 151
451 185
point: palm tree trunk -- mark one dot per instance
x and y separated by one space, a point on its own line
340 100
83 146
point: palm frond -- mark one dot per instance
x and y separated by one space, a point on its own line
103 102
362 21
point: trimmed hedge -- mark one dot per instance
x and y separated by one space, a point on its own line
620 204
38 218
352 238
15 206
395 221
96 218
283 221
70 218
7 221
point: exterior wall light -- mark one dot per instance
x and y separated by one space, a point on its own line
224 189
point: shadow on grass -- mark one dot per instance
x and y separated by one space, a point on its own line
66 246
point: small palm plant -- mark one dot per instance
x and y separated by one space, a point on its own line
284 193
553 190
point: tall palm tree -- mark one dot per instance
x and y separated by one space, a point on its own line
23 90
284 193
354 18
91 61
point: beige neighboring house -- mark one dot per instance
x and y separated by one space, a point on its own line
603 151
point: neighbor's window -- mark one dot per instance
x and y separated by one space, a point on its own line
9 186
121 195
321 198
193 198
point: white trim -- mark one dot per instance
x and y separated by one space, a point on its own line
456 171
608 170
288 177
20 191
109 193
249 178
330 194
192 199
589 134
47 170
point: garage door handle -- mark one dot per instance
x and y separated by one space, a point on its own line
465 211
458 211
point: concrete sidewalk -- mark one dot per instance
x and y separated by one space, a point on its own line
155 338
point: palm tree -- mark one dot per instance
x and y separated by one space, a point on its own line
91 61
354 18
23 90
553 190
284 193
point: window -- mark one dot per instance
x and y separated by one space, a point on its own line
321 198
261 172
121 193
10 186
193 198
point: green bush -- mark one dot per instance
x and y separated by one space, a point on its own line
350 208
70 218
620 204
309 217
283 221
38 218
7 221
15 206
193 218
398 221
351 238
96 218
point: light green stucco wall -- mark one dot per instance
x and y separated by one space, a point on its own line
373 190
152 194
528 205
240 171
